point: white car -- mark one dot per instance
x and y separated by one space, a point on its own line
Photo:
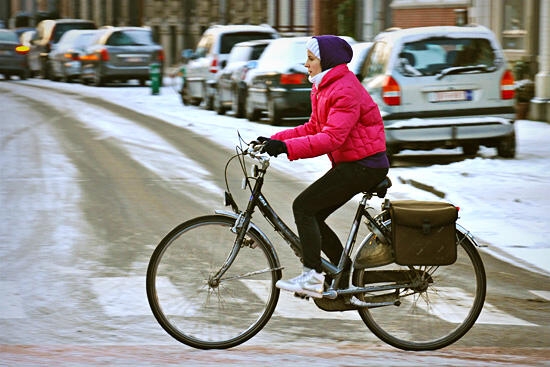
442 87
210 57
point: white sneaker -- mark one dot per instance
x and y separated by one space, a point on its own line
310 283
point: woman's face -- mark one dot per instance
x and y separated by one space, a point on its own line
313 64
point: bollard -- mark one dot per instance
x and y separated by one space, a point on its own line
154 73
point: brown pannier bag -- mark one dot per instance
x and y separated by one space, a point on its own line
423 232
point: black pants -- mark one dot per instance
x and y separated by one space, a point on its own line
321 199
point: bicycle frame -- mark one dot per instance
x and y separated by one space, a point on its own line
257 199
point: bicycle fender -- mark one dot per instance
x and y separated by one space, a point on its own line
255 228
468 235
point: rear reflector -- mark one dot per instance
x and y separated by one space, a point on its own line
297 78
391 93
104 54
214 66
507 85
160 55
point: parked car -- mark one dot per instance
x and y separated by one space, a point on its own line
442 87
360 51
64 59
13 55
279 84
121 53
231 88
210 57
48 33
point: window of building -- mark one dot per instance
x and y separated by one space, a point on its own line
514 23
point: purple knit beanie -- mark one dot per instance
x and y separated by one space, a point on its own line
334 51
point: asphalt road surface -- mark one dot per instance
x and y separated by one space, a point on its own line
82 209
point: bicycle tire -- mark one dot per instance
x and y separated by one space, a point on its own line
190 309
438 316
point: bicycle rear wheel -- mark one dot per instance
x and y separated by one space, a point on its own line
438 315
198 312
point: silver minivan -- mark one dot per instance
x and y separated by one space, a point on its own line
442 87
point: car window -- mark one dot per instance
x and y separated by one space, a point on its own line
8 36
239 53
61 28
283 54
84 40
228 40
204 45
377 60
130 38
67 38
431 56
257 52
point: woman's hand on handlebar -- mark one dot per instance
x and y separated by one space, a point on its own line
274 147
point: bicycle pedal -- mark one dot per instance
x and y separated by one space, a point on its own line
302 296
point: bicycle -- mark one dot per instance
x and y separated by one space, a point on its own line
211 280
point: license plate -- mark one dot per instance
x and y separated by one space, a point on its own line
450 96
134 59
5 52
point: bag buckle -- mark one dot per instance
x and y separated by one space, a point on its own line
426 227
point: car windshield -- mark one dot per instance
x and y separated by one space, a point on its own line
130 38
438 55
8 36
229 40
61 28
284 54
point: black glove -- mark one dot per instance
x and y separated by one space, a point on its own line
274 147
262 139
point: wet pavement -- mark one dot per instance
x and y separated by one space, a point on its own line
83 206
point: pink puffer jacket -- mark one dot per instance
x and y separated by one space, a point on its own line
345 123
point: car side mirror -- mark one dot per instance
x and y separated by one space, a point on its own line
187 54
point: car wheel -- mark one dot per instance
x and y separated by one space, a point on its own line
218 105
274 114
208 100
252 114
98 78
506 147
470 149
45 69
7 76
237 104
143 82
24 75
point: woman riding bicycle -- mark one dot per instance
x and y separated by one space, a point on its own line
346 125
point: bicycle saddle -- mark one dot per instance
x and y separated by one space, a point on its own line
380 189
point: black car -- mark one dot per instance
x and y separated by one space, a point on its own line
13 55
279 84
230 86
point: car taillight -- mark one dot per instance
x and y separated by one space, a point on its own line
21 49
507 85
214 66
296 78
391 93
104 54
92 57
160 55
72 56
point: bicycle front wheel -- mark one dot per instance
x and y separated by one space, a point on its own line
438 313
193 308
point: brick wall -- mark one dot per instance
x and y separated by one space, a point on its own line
407 18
